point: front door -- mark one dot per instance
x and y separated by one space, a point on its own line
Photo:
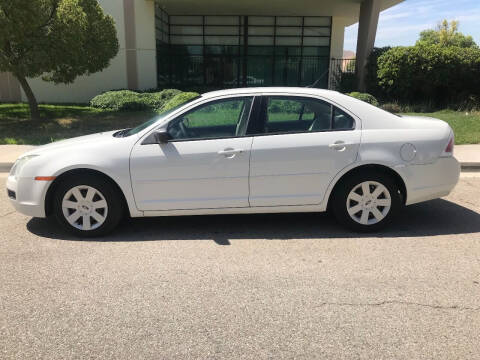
300 145
205 165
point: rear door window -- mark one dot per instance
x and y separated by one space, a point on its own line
290 114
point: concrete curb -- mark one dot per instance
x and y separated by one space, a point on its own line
470 166
5 167
466 167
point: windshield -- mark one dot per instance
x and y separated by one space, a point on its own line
145 125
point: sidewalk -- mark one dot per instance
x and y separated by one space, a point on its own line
10 153
468 155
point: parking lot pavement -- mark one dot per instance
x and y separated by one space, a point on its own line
246 287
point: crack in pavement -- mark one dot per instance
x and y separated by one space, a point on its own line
408 303
10 213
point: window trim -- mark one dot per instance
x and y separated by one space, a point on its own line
264 107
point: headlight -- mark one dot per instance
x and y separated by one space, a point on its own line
19 164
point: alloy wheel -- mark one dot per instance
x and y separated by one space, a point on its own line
369 203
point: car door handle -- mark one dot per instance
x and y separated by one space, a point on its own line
339 145
230 152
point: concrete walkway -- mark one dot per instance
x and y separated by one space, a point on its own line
10 153
468 155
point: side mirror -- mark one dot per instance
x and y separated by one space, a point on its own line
161 136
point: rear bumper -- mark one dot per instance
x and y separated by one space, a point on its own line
430 181
29 195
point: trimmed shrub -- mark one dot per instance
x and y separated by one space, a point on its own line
117 100
365 97
178 100
127 100
430 74
157 100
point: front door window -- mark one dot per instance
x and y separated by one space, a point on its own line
217 119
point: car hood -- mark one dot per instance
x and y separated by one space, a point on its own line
73 142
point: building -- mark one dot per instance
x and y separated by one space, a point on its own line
213 44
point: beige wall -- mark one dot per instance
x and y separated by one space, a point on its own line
114 77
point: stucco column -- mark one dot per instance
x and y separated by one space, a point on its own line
130 44
140 44
367 30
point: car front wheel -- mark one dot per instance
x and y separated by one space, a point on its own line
87 206
367 202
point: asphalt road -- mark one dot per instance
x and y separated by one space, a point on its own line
246 287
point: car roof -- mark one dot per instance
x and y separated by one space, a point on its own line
256 90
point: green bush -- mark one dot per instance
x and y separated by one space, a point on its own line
430 74
347 82
371 79
127 100
116 100
157 100
365 97
178 100
392 108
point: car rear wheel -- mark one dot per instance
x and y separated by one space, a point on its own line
87 206
367 202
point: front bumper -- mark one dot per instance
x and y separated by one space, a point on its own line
430 181
29 195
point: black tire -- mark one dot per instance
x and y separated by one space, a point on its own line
342 191
109 191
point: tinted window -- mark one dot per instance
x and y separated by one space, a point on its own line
216 119
341 120
154 120
297 114
292 114
287 110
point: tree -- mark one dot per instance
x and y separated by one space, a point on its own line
55 39
446 34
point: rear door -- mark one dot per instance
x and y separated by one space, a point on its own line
300 144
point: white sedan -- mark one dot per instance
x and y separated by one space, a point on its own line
257 150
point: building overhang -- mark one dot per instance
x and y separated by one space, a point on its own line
347 9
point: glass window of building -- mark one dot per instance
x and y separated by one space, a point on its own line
214 52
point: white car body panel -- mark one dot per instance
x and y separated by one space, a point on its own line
85 152
296 169
274 173
191 174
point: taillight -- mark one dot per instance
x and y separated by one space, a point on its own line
449 149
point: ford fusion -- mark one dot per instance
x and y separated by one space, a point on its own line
258 150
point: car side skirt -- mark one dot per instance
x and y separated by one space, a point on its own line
244 210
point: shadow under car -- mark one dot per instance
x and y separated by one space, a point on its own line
436 217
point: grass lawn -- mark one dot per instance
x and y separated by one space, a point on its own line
465 125
67 121
61 122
